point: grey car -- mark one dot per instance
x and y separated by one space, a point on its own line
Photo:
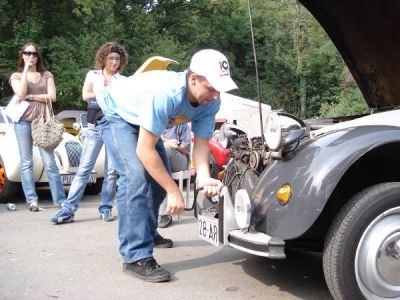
335 189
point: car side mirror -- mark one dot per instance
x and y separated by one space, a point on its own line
292 136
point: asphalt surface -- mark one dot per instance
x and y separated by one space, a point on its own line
39 260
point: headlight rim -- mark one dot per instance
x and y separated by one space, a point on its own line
273 131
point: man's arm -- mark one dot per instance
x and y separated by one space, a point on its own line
201 157
151 160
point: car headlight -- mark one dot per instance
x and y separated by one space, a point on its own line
242 209
273 131
76 126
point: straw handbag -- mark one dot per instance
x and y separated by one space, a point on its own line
46 130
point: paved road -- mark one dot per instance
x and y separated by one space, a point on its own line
39 260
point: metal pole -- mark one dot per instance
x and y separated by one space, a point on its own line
256 68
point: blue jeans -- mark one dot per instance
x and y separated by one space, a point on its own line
139 196
91 148
24 138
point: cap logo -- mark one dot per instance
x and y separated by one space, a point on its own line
224 67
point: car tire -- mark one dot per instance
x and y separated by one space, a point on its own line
94 188
360 259
8 189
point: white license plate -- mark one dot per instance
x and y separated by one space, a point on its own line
66 179
208 229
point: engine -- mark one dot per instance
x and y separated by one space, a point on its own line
250 157
248 160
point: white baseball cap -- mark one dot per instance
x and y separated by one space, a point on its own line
214 66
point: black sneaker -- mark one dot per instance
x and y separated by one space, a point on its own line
165 221
160 242
147 269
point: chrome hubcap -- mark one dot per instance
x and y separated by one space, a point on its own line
377 263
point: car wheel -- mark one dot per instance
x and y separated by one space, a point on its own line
94 188
362 251
8 188
213 167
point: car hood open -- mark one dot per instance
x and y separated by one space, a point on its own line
367 35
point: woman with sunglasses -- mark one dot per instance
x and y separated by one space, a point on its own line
35 84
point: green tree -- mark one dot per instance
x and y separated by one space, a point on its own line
300 70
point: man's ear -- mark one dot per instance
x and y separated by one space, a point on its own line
192 79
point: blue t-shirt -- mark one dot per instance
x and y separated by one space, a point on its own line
156 100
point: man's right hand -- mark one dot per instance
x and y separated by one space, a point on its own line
175 203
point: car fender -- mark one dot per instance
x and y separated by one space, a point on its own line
12 162
313 170
220 153
9 153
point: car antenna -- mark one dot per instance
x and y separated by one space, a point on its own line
256 69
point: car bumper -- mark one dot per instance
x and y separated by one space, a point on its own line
256 243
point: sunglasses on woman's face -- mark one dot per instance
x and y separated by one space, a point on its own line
29 53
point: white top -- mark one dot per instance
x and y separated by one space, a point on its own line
96 78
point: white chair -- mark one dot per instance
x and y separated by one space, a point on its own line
181 176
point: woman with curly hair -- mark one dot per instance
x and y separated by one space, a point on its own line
111 58
33 83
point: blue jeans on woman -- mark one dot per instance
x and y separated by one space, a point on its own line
24 138
139 196
91 148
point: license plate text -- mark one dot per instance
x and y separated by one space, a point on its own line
67 179
208 229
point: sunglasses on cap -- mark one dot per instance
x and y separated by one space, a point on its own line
29 53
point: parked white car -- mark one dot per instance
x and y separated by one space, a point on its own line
67 156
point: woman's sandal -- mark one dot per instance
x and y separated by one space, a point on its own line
34 207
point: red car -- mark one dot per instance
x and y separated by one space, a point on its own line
219 157
219 152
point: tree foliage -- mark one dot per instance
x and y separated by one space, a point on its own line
299 69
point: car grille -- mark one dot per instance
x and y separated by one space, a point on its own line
74 152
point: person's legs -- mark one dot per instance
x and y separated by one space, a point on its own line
24 139
156 193
136 242
91 149
120 138
53 174
178 161
109 185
